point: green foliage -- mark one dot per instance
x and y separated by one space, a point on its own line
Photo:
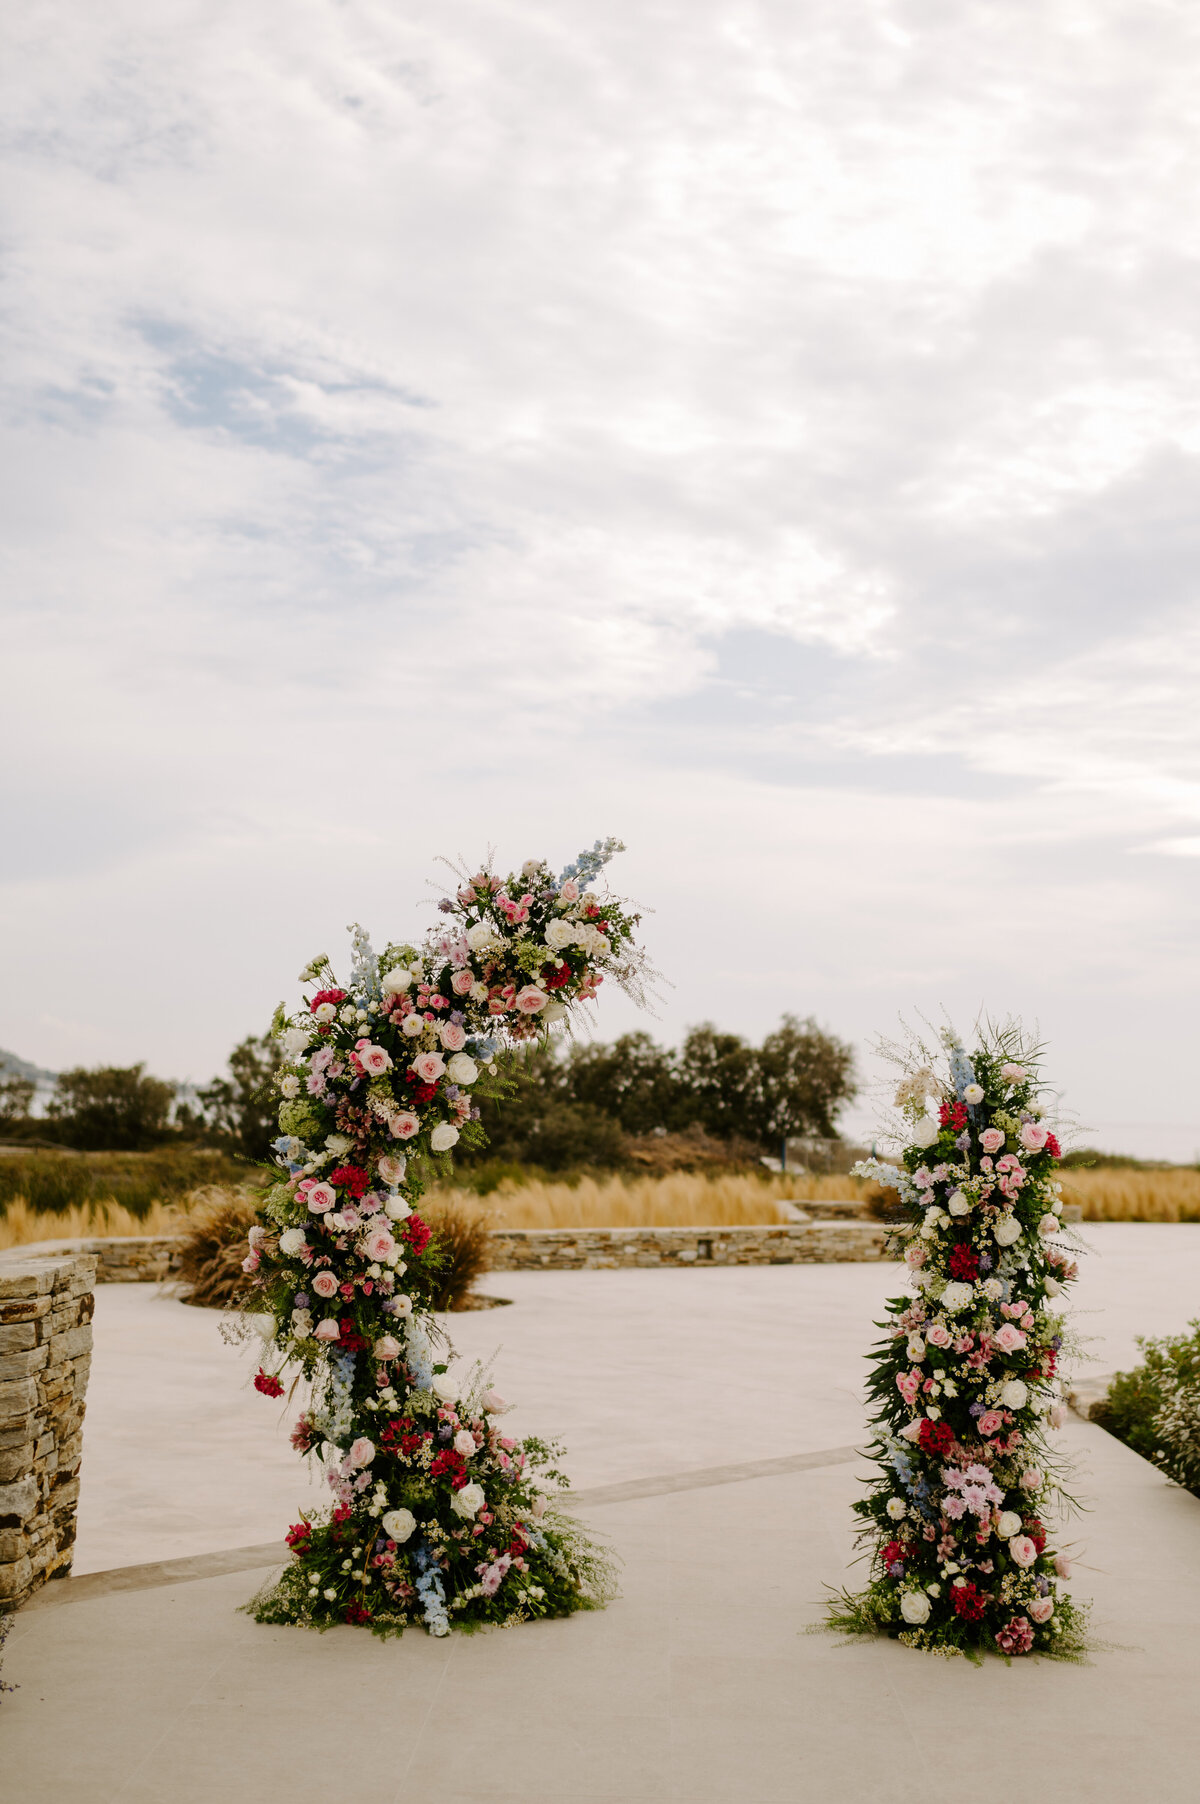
239 1110
582 1107
1134 1408
16 1099
58 1181
306 1119
111 1108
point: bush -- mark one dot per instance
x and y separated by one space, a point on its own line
215 1245
463 1247
114 1108
1155 1409
53 1182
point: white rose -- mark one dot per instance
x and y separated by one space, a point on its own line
412 1025
468 1501
897 1509
1053 1287
397 1209
293 1041
1007 1231
462 1069
957 1203
1048 1225
925 1132
446 1387
1015 1395
973 1094
338 1144
443 1137
1008 1524
554 1011
397 981
559 934
292 1241
398 1525
956 1296
464 1443
482 935
914 1607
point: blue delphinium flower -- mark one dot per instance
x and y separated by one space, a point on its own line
588 866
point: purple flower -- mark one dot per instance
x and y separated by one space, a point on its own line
445 906
301 1299
896 1569
976 1409
985 1262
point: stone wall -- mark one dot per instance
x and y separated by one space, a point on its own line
579 1249
45 1355
123 1259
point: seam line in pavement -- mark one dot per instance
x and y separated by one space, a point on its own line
270 1553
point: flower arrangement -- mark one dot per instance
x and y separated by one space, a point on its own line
437 1516
964 1384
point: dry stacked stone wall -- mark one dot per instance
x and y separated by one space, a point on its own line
45 1355
578 1249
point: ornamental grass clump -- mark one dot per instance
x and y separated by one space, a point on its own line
957 1524
438 1517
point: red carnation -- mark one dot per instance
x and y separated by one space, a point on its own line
1052 1146
267 1383
892 1552
556 975
350 1177
953 1115
936 1438
298 1534
417 1233
358 1614
968 1601
1037 1534
351 1341
448 1461
964 1262
327 996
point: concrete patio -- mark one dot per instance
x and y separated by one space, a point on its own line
710 1416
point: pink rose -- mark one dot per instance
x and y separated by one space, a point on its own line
391 1170
387 1347
911 1430
1034 1135
429 1066
1041 1609
328 1329
325 1284
250 1262
374 1060
1032 1478
537 1508
938 1335
1008 1338
991 1140
1062 1565
494 1403
531 1000
990 1422
321 1198
914 1256
1023 1550
405 1125
1014 1073
361 1453
379 1245
461 982
452 1036
1057 1416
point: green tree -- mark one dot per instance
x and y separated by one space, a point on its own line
718 1083
239 1110
804 1078
634 1081
112 1108
16 1099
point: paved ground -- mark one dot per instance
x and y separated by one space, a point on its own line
699 1685
640 1372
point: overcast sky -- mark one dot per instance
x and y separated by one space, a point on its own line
766 432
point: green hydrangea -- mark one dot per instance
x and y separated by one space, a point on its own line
306 1119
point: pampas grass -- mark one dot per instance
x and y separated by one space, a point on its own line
1171 1195
22 1226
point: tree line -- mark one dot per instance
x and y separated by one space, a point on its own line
573 1103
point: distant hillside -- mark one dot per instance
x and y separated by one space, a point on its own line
12 1066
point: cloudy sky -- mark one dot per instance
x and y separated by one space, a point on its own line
768 432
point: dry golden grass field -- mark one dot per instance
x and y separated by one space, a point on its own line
680 1199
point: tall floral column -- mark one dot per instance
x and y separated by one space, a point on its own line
436 1515
964 1386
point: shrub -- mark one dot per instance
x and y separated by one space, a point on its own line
215 1245
1155 1408
463 1247
55 1182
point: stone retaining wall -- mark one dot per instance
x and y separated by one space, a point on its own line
45 1355
579 1249
123 1259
